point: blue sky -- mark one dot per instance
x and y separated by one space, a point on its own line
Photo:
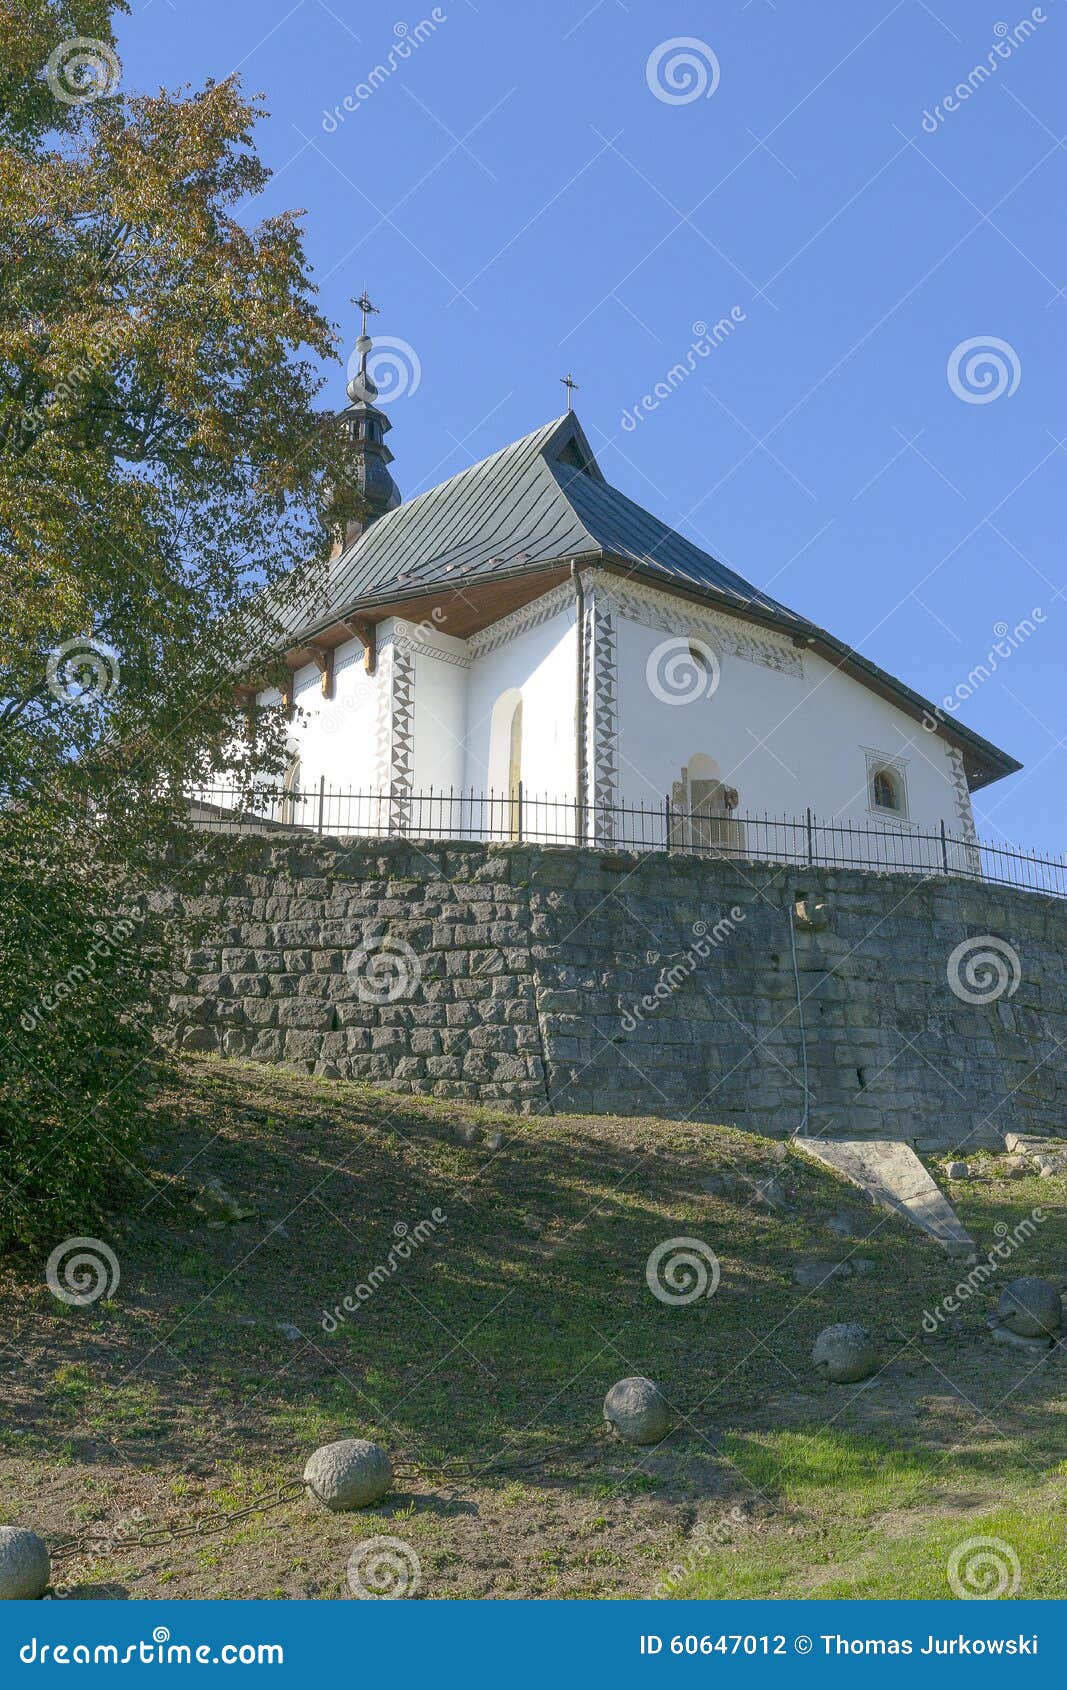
521 200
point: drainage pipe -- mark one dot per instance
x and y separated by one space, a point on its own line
802 1130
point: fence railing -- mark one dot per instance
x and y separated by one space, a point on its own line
541 820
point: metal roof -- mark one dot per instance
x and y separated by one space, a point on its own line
544 500
520 509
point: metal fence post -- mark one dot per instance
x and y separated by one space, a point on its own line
518 827
322 798
811 838
944 847
667 818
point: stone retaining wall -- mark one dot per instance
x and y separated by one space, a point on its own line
577 981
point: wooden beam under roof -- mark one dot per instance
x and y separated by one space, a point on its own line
322 657
366 632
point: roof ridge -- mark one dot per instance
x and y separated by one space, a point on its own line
545 429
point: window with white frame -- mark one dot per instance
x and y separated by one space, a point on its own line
887 789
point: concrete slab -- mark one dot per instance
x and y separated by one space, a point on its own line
893 1177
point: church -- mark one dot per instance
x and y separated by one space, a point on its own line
524 652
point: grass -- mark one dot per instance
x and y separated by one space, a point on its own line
481 1358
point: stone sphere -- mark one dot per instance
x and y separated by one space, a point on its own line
1031 1307
637 1412
350 1474
844 1353
24 1565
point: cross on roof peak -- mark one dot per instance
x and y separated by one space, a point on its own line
363 304
572 387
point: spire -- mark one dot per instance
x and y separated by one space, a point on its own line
370 487
360 385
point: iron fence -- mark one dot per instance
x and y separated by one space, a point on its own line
543 820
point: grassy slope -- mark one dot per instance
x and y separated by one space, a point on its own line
497 1338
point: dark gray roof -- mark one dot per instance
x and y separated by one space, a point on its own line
521 509
542 501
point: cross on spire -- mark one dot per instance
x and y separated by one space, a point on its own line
571 385
363 304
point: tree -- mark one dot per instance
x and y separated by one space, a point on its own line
161 464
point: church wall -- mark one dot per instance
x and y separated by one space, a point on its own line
442 672
602 982
336 736
336 739
539 660
788 738
776 722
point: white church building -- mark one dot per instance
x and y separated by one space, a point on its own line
523 651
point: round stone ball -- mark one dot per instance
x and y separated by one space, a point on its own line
350 1474
844 1353
24 1565
1031 1307
637 1412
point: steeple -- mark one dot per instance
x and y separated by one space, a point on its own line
370 488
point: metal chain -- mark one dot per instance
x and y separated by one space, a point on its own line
156 1536
458 1467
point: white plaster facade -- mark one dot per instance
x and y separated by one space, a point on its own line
753 710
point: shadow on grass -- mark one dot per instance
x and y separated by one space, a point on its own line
505 1321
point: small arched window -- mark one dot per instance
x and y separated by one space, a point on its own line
505 763
290 792
885 790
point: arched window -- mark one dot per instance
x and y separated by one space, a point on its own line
886 790
505 762
515 754
290 792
